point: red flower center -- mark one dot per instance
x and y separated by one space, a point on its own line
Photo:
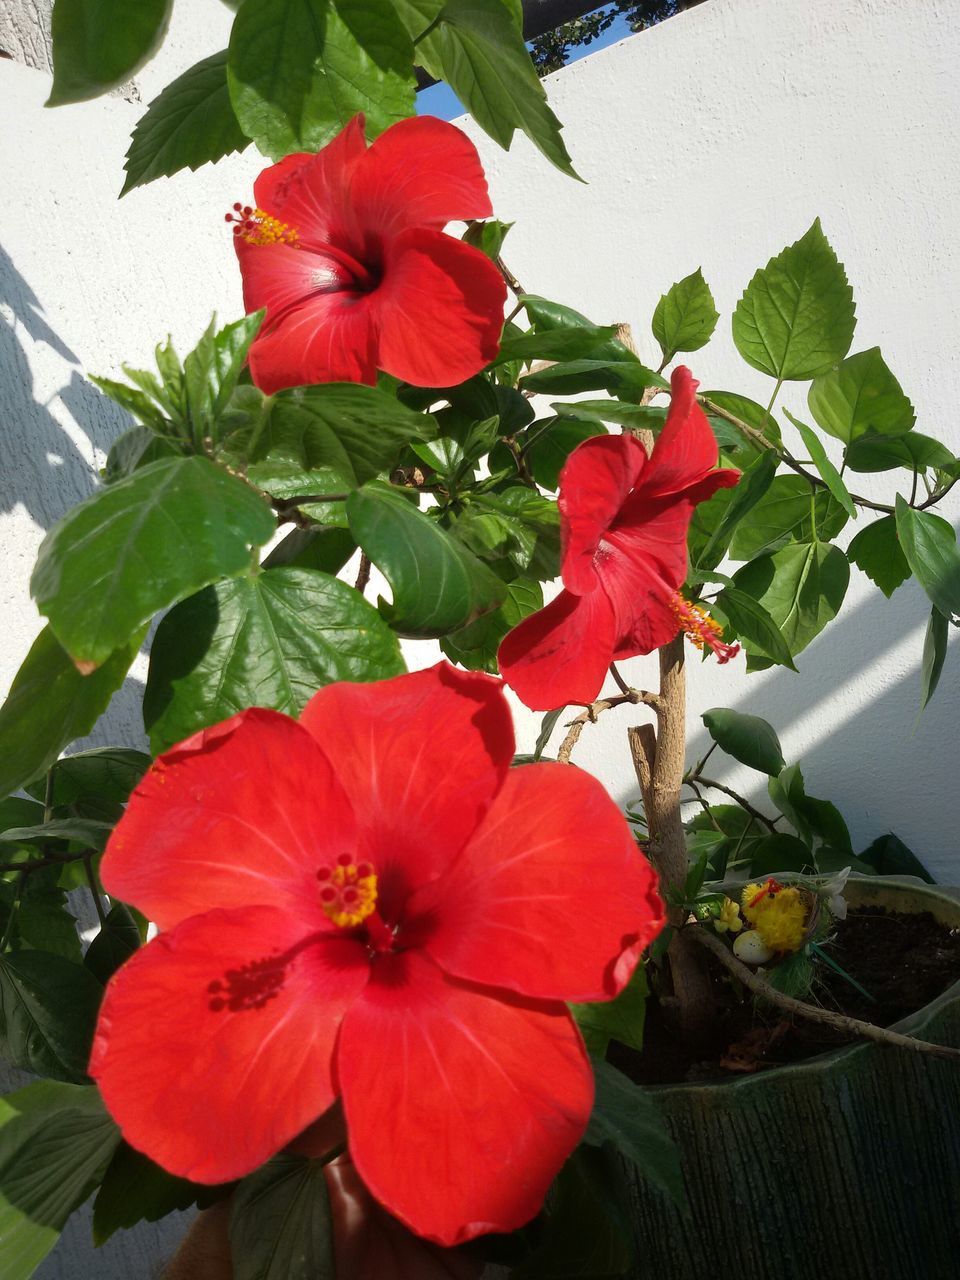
701 628
260 228
348 895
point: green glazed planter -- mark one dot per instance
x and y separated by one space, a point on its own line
844 1167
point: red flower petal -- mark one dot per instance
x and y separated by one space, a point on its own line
421 172
241 813
281 277
439 308
483 1100
210 1066
561 653
594 483
332 337
551 897
686 448
421 757
311 193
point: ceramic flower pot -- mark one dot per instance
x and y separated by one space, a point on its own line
841 1167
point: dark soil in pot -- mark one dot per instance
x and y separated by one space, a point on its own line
845 1166
902 959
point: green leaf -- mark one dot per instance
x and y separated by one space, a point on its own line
685 317
475 647
621 1019
861 395
626 1115
44 921
16 811
828 472
211 372
268 640
487 236
438 585
788 794
280 1224
782 513
929 545
876 550
324 549
889 856
624 375
747 738
56 1140
913 451
547 726
300 70
116 942
48 1007
801 586
934 655
80 830
645 417
585 1229
132 443
50 704
752 623
796 318
750 490
98 44
477 47
117 559
745 410
136 448
555 344
518 523
775 854
136 1190
325 439
191 123
552 444
107 773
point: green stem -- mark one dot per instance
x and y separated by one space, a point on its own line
12 916
427 30
94 889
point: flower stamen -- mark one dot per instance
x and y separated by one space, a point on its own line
701 628
257 227
348 891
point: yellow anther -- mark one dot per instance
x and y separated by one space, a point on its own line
348 892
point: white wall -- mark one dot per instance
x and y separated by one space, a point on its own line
712 140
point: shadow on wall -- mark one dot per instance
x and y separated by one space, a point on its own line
881 772
41 467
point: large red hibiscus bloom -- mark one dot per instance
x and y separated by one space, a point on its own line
370 903
624 522
346 252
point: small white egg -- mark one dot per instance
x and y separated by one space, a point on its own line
751 948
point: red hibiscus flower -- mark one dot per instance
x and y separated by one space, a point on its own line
370 903
624 521
345 251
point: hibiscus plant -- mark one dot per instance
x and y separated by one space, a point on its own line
355 966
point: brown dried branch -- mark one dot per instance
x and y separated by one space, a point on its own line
589 716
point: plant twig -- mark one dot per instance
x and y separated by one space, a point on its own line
590 713
363 573
813 1013
734 795
618 678
759 439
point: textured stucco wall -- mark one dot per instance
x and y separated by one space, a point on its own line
712 141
